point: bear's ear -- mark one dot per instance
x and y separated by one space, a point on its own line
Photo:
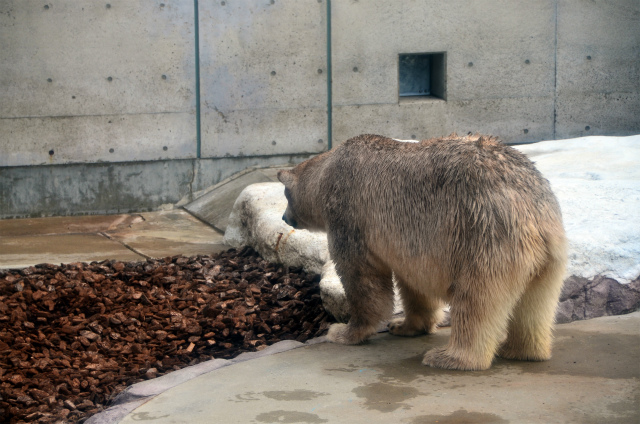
285 177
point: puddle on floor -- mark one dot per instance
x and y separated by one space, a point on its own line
299 395
386 397
459 417
281 416
281 395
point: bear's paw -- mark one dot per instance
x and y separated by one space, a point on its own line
402 327
346 334
441 357
525 353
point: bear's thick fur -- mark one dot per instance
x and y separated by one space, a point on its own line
459 220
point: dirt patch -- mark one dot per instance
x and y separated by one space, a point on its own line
73 336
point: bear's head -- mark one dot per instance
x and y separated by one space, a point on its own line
288 179
300 189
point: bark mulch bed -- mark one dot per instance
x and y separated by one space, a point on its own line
73 336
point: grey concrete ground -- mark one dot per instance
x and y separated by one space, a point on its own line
214 204
593 377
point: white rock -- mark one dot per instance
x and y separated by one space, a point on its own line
256 220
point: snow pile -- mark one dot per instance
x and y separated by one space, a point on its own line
597 181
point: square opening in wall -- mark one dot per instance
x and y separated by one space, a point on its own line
422 74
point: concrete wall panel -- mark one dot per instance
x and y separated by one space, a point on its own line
390 120
264 132
69 58
515 120
582 114
92 188
105 188
111 138
263 76
598 68
497 37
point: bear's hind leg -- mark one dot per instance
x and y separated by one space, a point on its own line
479 317
370 298
530 328
422 313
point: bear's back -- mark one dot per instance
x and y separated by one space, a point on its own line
470 193
458 166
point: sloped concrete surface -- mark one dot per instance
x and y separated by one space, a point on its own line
66 225
215 203
593 377
27 242
140 393
169 233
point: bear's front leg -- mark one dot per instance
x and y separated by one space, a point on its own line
370 298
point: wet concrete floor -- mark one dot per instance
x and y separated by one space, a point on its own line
593 377
27 242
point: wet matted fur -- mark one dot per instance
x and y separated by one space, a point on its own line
466 221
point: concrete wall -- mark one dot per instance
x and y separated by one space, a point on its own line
516 68
77 189
102 110
598 62
89 81
263 77
490 87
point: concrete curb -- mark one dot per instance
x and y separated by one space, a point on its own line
142 392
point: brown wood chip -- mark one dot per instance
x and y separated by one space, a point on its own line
74 336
